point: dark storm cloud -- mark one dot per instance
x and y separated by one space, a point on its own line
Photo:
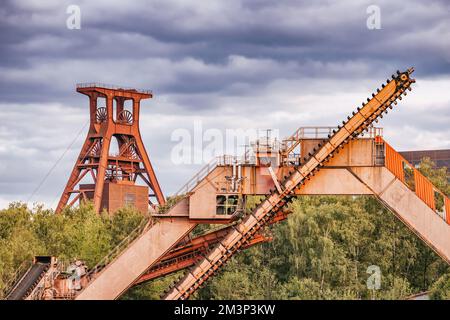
233 63
299 32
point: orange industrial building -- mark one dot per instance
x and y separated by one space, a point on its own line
350 159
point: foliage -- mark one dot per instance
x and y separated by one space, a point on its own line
441 288
76 233
325 247
322 251
438 176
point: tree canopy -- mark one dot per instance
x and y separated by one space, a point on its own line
324 250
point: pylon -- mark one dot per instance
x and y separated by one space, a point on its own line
107 122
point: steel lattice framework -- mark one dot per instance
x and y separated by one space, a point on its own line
108 122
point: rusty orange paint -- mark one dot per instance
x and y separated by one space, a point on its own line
132 162
447 209
424 189
394 162
189 253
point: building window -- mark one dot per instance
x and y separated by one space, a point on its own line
129 199
226 204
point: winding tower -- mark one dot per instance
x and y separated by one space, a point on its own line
114 126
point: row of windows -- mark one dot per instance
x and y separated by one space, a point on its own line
227 204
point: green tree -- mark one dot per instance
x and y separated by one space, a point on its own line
440 290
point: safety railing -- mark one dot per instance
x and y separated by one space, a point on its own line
323 132
228 160
373 132
289 144
118 249
265 145
311 133
416 182
225 160
188 186
111 86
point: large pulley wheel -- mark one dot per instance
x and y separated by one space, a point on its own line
125 116
101 115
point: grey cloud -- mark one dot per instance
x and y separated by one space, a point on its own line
295 36
231 64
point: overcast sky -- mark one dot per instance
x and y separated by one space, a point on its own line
229 64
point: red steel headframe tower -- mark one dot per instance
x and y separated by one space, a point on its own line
113 175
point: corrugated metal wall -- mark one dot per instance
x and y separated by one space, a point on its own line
394 162
424 189
447 209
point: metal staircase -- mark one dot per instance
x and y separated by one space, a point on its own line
411 197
